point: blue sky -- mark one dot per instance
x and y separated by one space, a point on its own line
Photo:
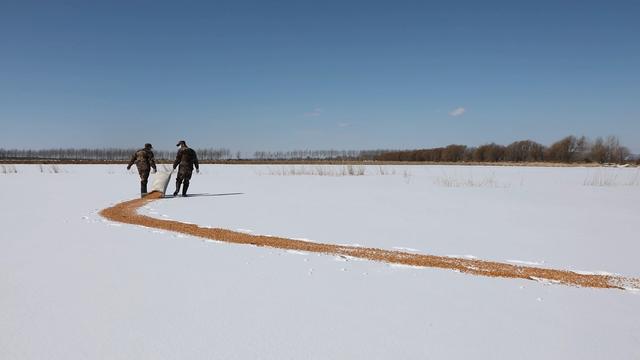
316 74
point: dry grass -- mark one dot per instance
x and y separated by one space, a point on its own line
459 181
318 170
51 169
312 162
8 169
333 170
406 175
608 177
383 170
56 169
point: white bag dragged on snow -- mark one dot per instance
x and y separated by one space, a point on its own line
161 181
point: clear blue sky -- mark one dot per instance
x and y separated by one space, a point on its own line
316 74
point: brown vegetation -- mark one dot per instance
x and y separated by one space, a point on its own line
567 150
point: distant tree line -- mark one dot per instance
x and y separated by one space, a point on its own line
570 149
319 155
110 154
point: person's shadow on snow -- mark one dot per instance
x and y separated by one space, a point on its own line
207 194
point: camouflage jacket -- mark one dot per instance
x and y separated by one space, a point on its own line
143 159
186 157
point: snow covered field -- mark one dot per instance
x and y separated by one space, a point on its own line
73 285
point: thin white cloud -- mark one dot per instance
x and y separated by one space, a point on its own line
314 113
343 124
457 111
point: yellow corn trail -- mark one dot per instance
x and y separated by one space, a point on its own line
126 212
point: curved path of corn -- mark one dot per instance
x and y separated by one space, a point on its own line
126 212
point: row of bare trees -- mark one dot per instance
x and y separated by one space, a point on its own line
567 150
570 149
110 154
319 155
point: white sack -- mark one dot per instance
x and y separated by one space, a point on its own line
161 181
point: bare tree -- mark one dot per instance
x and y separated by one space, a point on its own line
524 151
563 150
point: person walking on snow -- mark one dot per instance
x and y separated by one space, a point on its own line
144 161
187 159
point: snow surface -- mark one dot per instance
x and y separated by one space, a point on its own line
75 286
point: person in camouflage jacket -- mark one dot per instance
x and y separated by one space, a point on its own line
187 160
144 161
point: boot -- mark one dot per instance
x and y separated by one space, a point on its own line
143 190
178 183
184 189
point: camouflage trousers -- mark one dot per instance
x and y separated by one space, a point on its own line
144 179
184 176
